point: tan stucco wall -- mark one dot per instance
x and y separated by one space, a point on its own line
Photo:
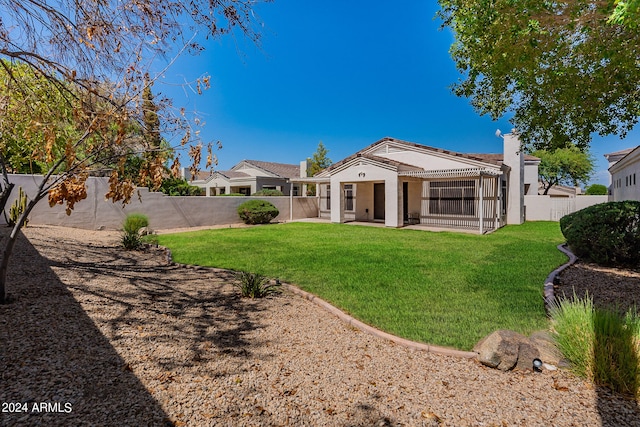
425 161
163 211
364 201
369 173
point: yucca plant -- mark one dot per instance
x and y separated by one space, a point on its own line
254 285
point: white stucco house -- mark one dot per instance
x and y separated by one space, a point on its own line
624 168
400 183
247 177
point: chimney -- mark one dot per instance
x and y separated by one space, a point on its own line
303 169
514 158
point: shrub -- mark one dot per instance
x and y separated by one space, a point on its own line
179 187
596 190
266 192
131 239
607 233
253 285
257 212
602 345
134 222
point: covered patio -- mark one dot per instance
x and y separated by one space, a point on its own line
471 199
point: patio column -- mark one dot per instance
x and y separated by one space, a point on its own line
337 201
393 202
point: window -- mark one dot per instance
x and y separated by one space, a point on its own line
328 198
348 197
452 197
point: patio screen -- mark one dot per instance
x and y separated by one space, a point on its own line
452 197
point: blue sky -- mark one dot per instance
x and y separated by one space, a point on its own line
346 75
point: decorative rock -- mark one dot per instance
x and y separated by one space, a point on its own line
500 349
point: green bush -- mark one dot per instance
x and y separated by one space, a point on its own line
134 222
131 239
266 192
596 190
253 285
606 234
179 187
602 345
257 212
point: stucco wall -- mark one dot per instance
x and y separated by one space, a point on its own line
625 176
163 211
547 208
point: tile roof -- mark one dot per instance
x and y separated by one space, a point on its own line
282 170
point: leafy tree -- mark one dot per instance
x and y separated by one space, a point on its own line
88 64
316 163
596 190
626 13
561 68
564 166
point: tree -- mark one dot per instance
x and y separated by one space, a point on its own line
92 60
626 13
596 190
561 68
564 166
316 163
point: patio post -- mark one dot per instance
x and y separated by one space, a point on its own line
481 208
291 202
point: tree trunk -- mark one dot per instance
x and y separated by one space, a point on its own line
8 249
4 195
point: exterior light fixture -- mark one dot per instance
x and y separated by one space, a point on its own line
537 365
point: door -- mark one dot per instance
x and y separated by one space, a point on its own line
378 201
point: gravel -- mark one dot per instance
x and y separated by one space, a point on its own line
97 336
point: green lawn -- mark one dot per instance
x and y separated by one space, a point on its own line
448 289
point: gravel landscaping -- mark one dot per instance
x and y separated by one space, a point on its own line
97 336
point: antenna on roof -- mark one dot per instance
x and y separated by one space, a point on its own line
498 133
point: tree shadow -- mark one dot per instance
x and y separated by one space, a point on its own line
52 353
203 323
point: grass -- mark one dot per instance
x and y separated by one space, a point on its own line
603 345
447 289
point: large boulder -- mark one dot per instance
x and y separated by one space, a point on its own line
506 350
500 349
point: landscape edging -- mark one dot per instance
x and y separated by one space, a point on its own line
549 296
413 345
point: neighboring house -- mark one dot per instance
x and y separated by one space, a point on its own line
624 168
559 190
401 183
250 176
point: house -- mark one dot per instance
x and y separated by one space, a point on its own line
248 177
400 183
624 168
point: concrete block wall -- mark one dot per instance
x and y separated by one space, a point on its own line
164 212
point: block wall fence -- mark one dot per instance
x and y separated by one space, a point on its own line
164 212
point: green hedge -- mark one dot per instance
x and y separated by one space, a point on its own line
607 233
268 192
257 212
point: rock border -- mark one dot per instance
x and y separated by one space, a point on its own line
549 296
549 299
